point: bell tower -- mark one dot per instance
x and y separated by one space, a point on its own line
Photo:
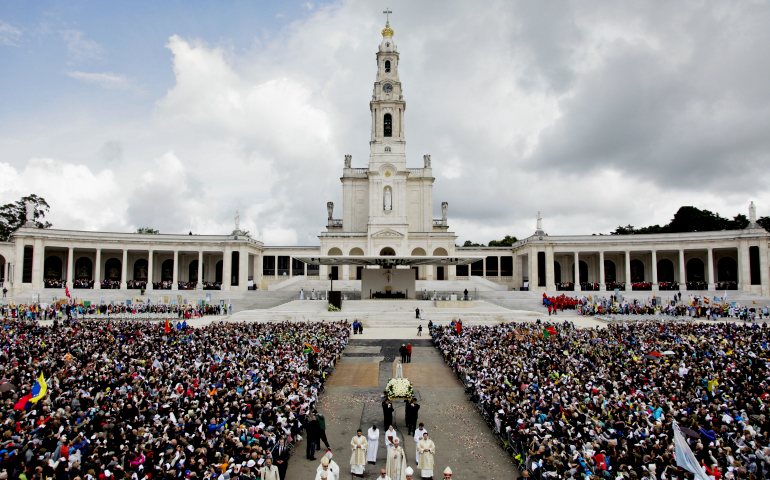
387 145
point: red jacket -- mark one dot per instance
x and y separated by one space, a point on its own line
408 349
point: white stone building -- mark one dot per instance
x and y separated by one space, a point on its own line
387 211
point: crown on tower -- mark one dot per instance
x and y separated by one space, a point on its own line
387 31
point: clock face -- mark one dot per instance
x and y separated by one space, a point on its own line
387 88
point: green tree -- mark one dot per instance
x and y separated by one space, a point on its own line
690 219
14 215
506 242
469 243
147 230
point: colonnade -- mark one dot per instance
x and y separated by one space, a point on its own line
751 265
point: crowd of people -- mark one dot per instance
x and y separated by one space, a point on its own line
131 284
61 310
129 399
603 403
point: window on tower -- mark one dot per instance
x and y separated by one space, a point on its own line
388 125
387 66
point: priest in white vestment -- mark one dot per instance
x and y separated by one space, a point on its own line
390 437
396 466
358 457
427 451
417 437
373 444
329 467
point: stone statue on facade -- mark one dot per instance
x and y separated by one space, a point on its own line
426 159
388 200
29 207
348 160
237 221
539 230
330 209
444 206
752 214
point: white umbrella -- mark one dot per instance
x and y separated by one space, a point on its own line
668 352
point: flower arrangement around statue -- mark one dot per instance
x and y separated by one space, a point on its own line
399 387
332 308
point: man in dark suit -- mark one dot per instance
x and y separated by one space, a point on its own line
312 431
387 412
412 409
281 458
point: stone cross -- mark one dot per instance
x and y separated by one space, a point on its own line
387 13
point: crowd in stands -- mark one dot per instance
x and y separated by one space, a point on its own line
75 311
668 286
127 399
603 403
131 284
697 285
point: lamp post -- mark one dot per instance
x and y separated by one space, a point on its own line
331 278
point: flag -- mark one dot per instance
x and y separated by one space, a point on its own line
23 403
548 331
39 389
685 457
157 365
168 328
67 291
458 327
309 348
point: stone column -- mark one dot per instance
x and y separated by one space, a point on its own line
70 262
227 271
5 273
175 272
682 271
602 284
654 271
484 267
123 270
259 270
744 277
532 267
549 278
255 265
710 265
18 266
628 271
576 278
38 258
763 268
98 270
199 286
243 269
150 269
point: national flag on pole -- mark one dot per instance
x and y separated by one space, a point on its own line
685 457
168 327
38 392
309 348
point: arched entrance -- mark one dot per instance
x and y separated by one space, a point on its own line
441 273
583 278
665 271
387 252
140 270
334 270
218 274
695 270
113 269
167 270
2 268
637 271
358 268
52 268
84 268
192 276
556 272
727 269
609 272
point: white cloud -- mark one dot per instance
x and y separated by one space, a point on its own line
104 79
81 48
9 35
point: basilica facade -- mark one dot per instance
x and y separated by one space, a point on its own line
387 210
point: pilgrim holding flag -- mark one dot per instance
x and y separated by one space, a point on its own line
39 390
358 457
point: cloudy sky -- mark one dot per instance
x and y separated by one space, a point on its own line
172 115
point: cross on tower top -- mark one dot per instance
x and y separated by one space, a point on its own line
387 13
